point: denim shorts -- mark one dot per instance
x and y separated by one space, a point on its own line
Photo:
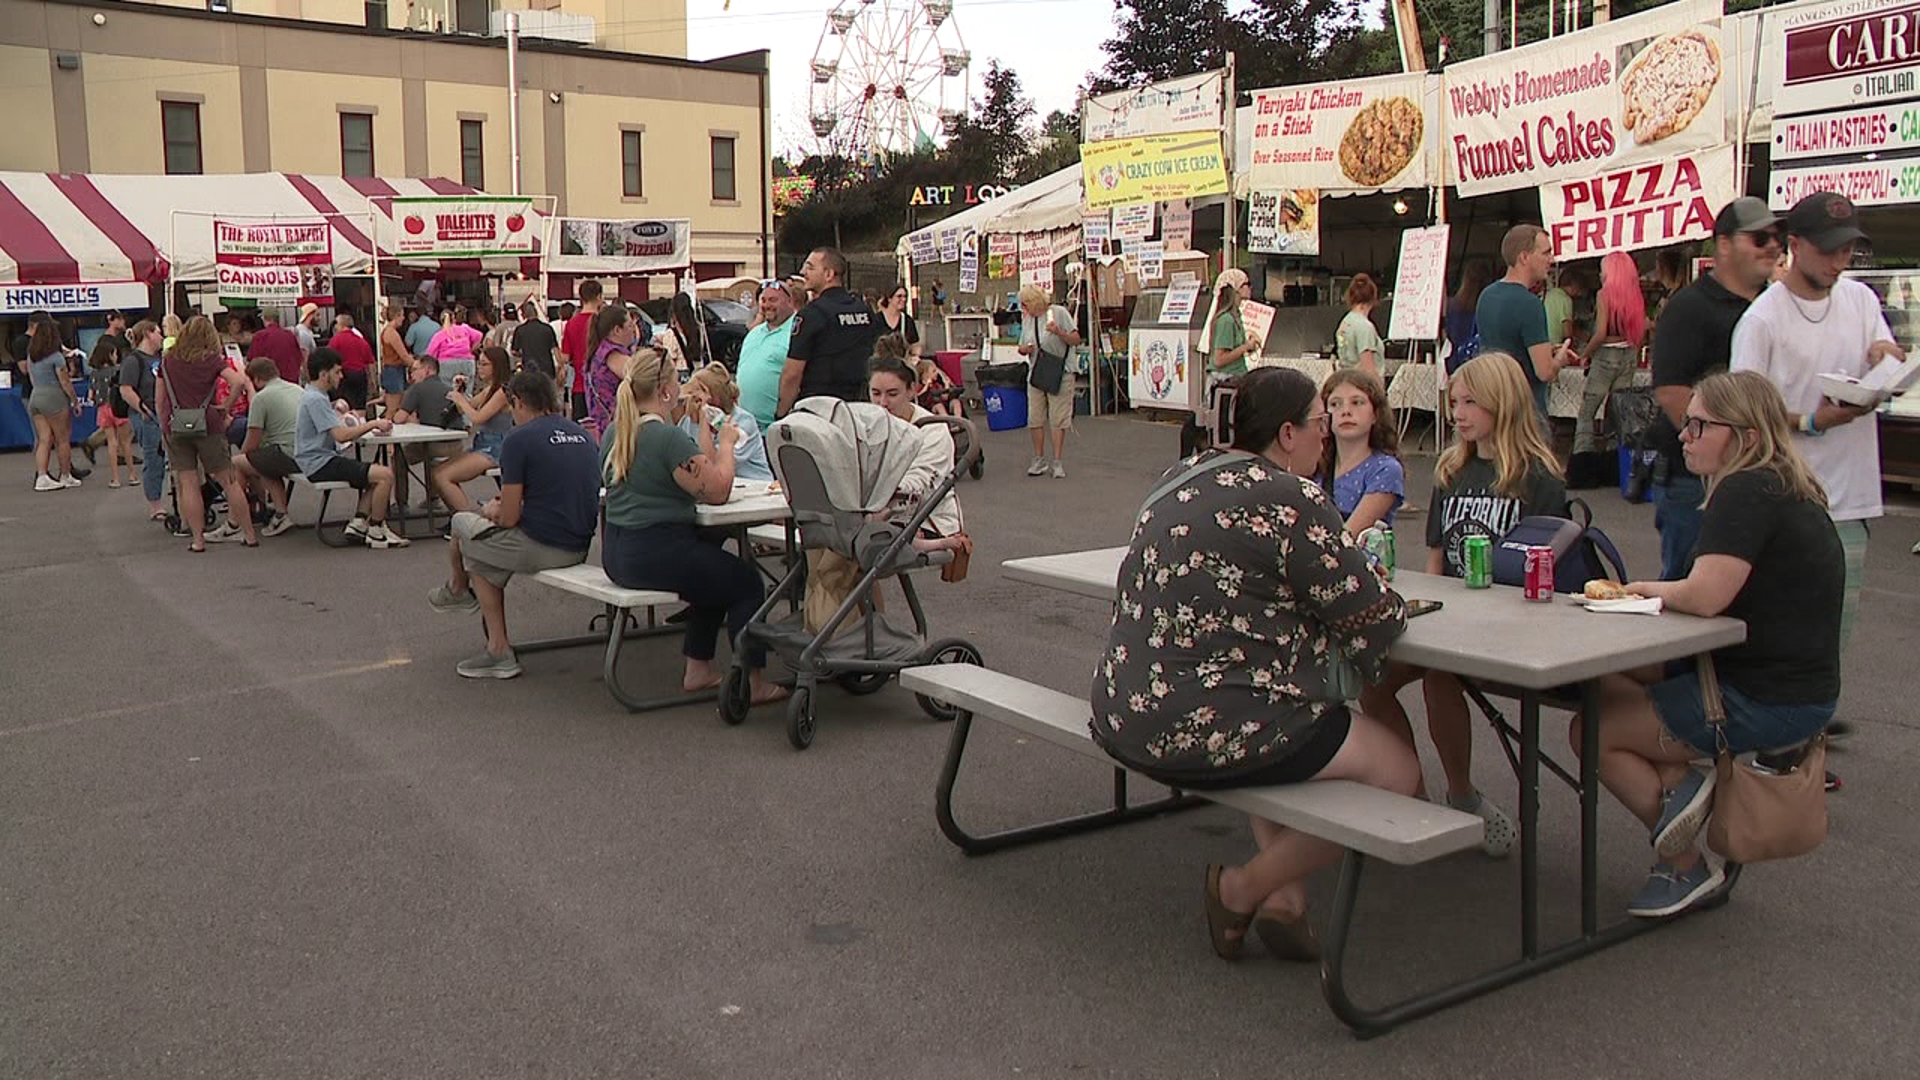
488 443
1751 725
393 379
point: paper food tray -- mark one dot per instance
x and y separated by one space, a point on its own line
1888 378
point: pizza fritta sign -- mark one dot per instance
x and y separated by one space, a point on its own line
1632 90
458 227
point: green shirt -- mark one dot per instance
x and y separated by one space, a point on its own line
276 412
650 495
1355 336
1228 333
1559 309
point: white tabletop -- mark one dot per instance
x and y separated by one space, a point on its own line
413 433
750 504
1492 634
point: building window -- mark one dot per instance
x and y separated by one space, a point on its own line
472 17
473 158
376 14
356 144
180 136
724 187
630 183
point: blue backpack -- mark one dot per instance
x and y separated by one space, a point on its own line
1581 552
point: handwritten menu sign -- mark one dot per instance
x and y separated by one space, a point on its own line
1420 284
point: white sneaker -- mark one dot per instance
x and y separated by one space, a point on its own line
280 523
1038 467
224 532
378 537
356 529
43 482
69 481
1059 471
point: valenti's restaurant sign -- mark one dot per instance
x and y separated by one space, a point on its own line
456 227
1630 91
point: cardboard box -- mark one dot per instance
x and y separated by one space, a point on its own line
1889 377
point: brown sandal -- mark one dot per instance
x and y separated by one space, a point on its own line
1227 927
1287 939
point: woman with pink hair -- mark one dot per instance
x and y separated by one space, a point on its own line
1620 325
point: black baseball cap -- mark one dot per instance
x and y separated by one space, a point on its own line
1824 219
1744 214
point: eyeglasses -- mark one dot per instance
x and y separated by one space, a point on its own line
1696 426
1317 420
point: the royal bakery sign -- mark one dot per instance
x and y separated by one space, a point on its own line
1637 89
1847 53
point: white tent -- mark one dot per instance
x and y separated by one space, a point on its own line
1051 202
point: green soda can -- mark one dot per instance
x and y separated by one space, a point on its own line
1478 557
1379 544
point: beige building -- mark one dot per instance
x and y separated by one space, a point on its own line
624 127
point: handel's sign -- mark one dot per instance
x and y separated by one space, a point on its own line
1632 90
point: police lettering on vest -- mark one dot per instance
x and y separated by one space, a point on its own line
833 337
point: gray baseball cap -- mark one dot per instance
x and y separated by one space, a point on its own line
1744 214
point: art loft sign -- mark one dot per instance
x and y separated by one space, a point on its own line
957 194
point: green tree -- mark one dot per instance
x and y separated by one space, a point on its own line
991 141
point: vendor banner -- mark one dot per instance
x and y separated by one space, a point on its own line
1843 54
1159 367
1189 103
280 262
1853 133
623 245
1285 222
1152 168
1866 183
1419 284
1094 229
1133 221
1176 225
1357 134
923 247
1632 90
1651 205
970 263
463 227
1036 260
949 245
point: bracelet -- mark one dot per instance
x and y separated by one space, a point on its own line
1807 425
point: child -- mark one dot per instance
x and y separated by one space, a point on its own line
936 394
1363 470
713 387
1498 471
106 391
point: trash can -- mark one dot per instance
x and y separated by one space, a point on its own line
1003 389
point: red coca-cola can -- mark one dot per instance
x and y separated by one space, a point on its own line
1539 580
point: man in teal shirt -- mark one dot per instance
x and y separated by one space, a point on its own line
763 353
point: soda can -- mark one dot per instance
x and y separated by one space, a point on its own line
1539 580
1477 554
1380 546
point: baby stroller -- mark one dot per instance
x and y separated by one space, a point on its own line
840 462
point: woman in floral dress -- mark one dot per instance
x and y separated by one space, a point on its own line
1246 622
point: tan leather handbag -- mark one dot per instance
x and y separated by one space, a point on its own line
1760 815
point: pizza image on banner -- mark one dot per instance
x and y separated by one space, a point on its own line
1666 86
1381 141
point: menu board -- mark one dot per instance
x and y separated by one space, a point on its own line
1357 134
1420 284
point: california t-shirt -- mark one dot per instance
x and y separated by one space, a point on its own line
1472 506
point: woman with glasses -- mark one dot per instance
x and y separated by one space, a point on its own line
1768 555
1246 622
894 319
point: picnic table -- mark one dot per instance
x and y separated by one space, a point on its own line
1497 639
408 435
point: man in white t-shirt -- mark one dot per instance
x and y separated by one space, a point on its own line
1811 322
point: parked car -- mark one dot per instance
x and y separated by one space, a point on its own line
726 320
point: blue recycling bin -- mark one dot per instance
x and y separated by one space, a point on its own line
1006 407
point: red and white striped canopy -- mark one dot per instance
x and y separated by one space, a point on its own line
64 228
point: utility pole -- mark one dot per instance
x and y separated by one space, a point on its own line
1490 25
513 94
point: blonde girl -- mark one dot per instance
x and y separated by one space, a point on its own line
712 396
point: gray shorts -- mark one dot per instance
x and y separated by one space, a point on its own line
49 401
495 553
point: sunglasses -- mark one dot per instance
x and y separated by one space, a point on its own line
1764 237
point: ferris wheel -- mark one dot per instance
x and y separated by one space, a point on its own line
887 75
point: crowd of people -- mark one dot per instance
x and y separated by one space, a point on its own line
1271 666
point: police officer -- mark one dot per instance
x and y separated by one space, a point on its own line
832 337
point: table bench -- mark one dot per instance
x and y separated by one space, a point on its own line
618 608
1369 822
321 529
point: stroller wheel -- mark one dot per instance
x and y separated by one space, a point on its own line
978 468
948 651
800 717
736 694
862 684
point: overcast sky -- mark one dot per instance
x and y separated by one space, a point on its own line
1051 43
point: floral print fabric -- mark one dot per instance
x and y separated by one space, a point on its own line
1239 595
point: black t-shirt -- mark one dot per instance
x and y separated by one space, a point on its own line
833 337
1692 340
908 330
1472 506
535 343
1791 601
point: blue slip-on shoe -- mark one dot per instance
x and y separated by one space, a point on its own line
1669 892
1684 809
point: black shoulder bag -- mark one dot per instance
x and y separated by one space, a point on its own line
1049 371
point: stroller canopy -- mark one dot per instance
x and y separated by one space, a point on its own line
861 450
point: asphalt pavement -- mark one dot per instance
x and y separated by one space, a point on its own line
253 825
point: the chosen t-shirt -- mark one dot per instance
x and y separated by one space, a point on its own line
275 414
313 444
1355 335
834 338
1473 506
1692 339
282 347
1792 342
763 356
1791 601
426 401
1513 320
558 466
1377 474
535 343
650 495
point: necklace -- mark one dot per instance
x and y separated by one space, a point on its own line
1799 307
